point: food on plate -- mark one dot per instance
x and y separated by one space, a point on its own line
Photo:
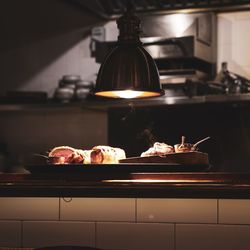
97 155
187 147
163 148
85 155
67 155
106 154
158 149
183 147
111 155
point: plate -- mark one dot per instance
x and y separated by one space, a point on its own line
184 158
115 168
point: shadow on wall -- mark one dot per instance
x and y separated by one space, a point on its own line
29 133
40 41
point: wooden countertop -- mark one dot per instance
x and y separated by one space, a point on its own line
179 185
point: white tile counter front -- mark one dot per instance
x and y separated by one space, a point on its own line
29 208
10 233
56 233
177 210
215 237
135 236
126 223
101 209
234 211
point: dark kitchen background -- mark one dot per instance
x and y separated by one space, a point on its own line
43 40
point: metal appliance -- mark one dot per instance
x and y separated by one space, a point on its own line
182 45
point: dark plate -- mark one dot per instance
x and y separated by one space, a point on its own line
116 168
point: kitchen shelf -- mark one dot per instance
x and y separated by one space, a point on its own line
105 105
162 185
49 106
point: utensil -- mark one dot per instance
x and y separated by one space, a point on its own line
40 155
52 159
197 143
187 147
183 147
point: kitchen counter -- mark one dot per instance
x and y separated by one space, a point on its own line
147 185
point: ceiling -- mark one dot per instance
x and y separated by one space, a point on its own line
109 9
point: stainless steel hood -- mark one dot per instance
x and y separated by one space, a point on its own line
181 44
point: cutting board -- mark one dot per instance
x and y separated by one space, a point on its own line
185 158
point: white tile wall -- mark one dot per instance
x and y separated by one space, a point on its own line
177 210
10 233
130 236
234 211
98 209
233 41
29 208
212 237
180 224
41 233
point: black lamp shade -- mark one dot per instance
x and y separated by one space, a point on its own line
128 71
128 68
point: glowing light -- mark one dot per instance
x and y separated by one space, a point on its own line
127 94
180 23
157 181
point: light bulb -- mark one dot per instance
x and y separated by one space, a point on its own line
127 94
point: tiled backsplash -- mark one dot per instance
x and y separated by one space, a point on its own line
126 223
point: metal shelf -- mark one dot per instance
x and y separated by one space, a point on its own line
105 105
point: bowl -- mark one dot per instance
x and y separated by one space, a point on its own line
64 94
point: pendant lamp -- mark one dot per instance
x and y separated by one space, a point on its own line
128 71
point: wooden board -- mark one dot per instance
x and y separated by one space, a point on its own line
187 158
122 170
